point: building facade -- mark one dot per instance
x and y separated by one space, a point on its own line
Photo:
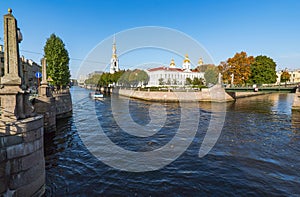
294 76
173 76
28 69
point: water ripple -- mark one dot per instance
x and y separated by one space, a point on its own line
256 155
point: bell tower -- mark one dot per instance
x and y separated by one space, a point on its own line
114 62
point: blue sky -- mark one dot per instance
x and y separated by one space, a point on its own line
222 27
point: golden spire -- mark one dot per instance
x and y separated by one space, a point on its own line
200 61
172 64
114 49
186 59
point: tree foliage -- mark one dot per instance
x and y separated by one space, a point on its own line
188 81
285 76
93 80
161 81
133 78
107 79
197 81
263 70
57 61
239 66
204 67
211 74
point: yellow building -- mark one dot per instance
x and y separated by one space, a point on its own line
28 70
294 78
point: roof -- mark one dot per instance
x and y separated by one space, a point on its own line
168 69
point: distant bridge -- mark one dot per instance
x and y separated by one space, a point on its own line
280 89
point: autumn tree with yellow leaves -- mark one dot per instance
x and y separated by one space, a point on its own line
238 66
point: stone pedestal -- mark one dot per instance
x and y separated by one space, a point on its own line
22 163
11 103
11 93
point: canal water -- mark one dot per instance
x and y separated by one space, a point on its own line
256 154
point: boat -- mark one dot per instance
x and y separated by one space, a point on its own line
96 96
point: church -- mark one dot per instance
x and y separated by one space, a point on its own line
172 75
114 62
167 76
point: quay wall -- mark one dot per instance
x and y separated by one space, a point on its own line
52 108
63 104
214 94
238 95
296 103
22 163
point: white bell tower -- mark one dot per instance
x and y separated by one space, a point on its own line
114 62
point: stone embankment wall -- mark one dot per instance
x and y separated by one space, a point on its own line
52 108
46 106
22 163
63 103
296 103
237 95
214 94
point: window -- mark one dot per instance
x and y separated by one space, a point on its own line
2 59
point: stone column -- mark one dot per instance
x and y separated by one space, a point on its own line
11 51
220 78
44 88
11 93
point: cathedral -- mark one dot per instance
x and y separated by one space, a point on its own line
163 75
172 75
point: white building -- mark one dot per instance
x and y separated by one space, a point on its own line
114 62
172 75
294 78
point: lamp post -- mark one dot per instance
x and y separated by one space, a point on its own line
19 35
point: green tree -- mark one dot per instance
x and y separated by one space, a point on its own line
94 80
188 81
57 61
211 74
142 77
168 81
197 82
131 77
263 70
161 81
204 67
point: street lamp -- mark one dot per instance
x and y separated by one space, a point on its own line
19 35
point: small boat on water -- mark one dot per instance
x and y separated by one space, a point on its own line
96 96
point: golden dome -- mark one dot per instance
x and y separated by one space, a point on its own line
172 64
200 61
186 59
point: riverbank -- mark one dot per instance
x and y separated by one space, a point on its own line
214 94
296 103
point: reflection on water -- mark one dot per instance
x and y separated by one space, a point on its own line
256 154
296 120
